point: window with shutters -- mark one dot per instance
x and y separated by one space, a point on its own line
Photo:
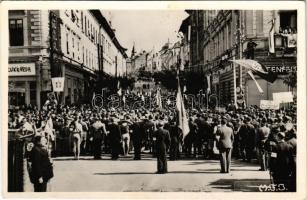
16 32
259 24
249 22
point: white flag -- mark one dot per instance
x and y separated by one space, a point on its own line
208 83
183 123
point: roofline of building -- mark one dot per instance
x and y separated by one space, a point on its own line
104 23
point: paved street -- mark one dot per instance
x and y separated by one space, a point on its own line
128 175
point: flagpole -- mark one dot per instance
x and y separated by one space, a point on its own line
240 46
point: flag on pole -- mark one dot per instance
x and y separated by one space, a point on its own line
258 69
94 95
208 84
257 84
271 38
183 123
158 98
119 89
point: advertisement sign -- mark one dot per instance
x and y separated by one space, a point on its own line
58 84
283 97
268 104
21 69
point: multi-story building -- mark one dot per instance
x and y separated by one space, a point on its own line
185 30
78 45
196 20
232 34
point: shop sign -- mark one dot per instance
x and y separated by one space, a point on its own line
22 69
282 69
268 104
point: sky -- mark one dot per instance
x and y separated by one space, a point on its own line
148 29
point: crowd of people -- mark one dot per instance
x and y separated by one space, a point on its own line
266 135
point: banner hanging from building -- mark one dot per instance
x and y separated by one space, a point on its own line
257 68
58 84
268 104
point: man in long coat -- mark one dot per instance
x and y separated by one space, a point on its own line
225 142
115 139
162 144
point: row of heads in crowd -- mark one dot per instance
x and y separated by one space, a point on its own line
67 114
287 30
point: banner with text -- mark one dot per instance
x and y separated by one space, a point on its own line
58 84
268 104
283 97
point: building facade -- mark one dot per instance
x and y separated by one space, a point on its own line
244 34
78 45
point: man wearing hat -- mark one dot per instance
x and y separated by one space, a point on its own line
98 133
115 138
136 138
162 144
225 142
174 135
247 142
291 140
262 136
281 171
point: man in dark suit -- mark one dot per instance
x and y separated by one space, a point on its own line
225 141
40 170
247 136
115 139
262 136
174 135
162 144
281 172
136 138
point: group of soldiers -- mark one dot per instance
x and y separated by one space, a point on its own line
266 135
